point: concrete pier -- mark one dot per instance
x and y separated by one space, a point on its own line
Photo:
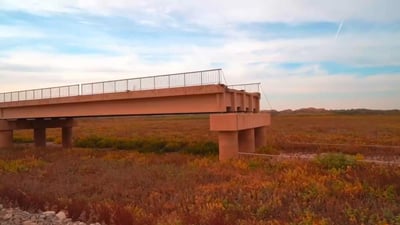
39 137
39 127
239 132
66 137
246 141
6 138
260 136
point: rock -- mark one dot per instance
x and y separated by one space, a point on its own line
28 222
16 216
49 213
61 215
7 216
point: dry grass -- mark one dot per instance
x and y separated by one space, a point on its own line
121 187
128 187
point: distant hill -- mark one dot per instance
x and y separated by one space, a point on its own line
367 111
312 110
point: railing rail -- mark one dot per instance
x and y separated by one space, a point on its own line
186 79
248 87
42 93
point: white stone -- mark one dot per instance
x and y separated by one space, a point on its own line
49 213
7 216
61 215
28 222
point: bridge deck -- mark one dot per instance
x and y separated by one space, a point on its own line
195 99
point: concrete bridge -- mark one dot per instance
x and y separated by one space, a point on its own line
235 110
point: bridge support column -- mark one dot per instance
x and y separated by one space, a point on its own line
66 137
6 138
6 134
228 144
39 136
246 141
260 136
238 132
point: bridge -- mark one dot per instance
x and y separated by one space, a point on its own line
234 110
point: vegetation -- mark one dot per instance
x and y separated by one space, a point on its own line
156 184
125 187
144 145
336 161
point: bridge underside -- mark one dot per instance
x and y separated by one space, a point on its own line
235 113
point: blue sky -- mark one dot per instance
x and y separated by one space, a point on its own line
306 53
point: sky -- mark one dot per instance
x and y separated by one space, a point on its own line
306 53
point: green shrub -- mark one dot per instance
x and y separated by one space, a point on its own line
94 142
202 148
336 160
22 140
153 145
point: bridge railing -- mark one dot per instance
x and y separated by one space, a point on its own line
249 87
186 79
43 93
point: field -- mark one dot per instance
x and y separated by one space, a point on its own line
164 170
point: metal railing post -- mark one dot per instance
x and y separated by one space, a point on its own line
219 76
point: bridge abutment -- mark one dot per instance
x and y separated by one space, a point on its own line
239 132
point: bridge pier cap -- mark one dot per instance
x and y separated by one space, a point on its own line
238 121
